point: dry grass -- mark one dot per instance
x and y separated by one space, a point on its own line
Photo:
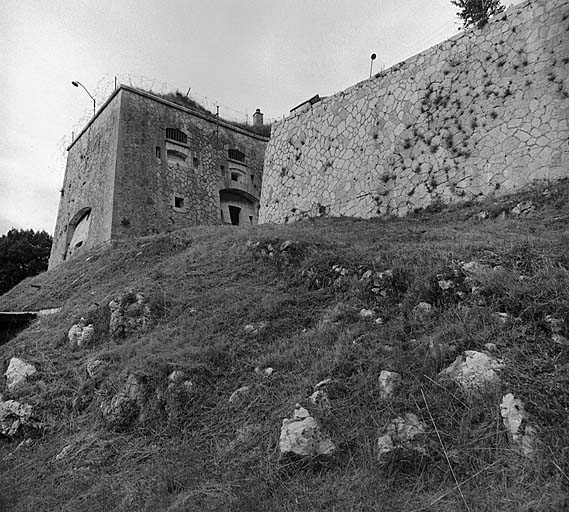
206 284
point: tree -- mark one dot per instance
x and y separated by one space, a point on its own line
23 253
477 12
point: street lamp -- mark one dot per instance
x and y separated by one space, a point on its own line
373 56
77 84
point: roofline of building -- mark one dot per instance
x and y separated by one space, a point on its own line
211 118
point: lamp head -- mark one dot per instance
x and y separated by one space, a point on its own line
76 84
373 56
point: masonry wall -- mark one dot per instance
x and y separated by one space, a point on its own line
483 113
89 183
146 185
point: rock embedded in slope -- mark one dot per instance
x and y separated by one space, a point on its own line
14 415
81 334
301 435
473 371
405 435
239 395
95 368
388 383
125 407
130 313
17 373
522 436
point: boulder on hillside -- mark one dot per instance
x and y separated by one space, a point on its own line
404 436
301 435
473 371
522 436
81 334
17 373
125 407
130 313
14 415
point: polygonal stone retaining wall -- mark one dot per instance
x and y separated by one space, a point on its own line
485 112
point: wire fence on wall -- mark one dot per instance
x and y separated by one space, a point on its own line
107 84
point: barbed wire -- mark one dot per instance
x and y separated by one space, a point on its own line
107 84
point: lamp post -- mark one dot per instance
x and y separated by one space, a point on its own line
373 56
77 84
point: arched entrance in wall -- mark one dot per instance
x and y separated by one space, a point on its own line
237 209
77 232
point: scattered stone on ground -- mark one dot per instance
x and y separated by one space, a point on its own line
366 313
388 383
491 347
81 334
405 435
255 328
422 309
266 372
125 406
130 313
521 435
63 453
523 209
14 415
95 368
473 371
502 317
302 436
445 284
239 395
17 373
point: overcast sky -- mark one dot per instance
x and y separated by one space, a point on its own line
239 54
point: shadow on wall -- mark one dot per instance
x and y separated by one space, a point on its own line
77 232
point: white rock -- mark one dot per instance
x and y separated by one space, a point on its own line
404 433
422 308
302 436
17 373
502 317
522 436
238 395
366 275
366 313
268 371
491 347
63 453
81 334
473 371
13 415
445 284
388 382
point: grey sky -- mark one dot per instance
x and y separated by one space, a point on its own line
239 54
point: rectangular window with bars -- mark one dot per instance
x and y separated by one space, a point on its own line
176 135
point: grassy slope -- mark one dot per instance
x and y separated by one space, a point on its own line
206 284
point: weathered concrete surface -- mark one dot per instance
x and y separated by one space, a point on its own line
126 173
483 113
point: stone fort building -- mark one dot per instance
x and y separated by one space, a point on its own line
145 165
